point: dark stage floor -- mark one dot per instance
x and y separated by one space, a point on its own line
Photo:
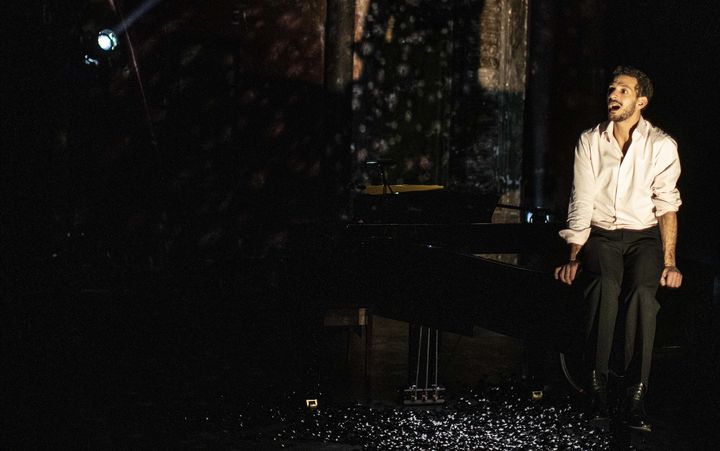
207 362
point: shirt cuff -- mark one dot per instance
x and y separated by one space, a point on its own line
662 207
666 202
575 236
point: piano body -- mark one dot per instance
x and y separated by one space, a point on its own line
421 257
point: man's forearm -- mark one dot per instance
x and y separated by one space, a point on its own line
668 234
574 250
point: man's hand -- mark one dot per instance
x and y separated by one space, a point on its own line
567 272
671 277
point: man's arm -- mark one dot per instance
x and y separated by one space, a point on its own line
582 195
671 276
579 211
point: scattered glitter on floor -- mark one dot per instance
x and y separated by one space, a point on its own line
494 418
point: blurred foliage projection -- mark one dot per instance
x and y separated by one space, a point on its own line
437 90
402 98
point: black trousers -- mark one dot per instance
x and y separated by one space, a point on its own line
622 270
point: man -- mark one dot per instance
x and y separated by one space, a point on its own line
622 230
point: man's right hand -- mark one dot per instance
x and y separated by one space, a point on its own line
567 272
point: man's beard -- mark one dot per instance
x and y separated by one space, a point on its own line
620 115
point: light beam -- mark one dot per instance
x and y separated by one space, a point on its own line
108 38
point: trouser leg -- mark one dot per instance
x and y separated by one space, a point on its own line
643 269
603 264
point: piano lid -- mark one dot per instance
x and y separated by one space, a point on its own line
409 204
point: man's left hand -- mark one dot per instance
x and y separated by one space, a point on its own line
671 277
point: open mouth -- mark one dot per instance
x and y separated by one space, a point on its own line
614 107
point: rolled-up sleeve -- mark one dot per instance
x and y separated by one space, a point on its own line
666 196
582 195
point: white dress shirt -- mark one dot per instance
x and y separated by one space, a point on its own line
615 192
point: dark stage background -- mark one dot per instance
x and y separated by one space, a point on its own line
236 125
149 201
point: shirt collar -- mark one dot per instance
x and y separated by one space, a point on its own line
642 128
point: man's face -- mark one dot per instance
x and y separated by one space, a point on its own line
622 98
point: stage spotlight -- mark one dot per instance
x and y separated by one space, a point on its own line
107 40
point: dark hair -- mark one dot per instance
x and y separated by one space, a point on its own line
644 85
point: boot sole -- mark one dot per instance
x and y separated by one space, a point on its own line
641 428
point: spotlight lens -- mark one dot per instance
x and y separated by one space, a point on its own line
107 40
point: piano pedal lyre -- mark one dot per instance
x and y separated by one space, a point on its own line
431 394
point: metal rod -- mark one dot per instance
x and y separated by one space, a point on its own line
417 364
436 357
427 361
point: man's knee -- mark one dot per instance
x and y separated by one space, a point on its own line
610 286
602 288
645 296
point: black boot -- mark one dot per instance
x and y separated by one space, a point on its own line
599 415
637 419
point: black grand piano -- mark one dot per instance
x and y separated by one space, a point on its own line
433 257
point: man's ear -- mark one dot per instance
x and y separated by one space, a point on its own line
643 102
